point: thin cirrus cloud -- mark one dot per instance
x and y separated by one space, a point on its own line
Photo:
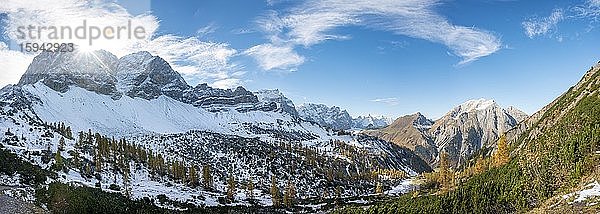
197 60
543 26
270 56
312 23
393 101
538 26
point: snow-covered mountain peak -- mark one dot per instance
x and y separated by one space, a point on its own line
477 105
283 104
333 117
421 122
471 126
143 75
92 71
337 118
371 122
138 74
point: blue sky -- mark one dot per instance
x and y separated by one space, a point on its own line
519 53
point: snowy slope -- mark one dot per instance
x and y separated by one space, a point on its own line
371 122
83 110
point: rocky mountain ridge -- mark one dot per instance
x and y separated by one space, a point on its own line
133 126
339 119
135 75
461 132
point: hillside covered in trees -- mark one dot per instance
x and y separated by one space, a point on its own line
541 169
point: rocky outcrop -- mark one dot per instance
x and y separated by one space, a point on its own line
410 131
471 126
143 76
332 117
148 77
370 122
94 71
462 132
282 104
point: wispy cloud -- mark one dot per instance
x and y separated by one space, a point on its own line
197 60
538 26
313 22
588 11
393 101
270 56
206 30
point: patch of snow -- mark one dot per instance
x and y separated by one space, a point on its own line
404 187
592 190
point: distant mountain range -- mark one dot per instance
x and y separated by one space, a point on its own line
548 162
338 119
132 125
464 130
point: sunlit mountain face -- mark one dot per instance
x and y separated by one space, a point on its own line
419 106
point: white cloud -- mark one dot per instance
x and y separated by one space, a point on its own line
393 101
206 30
313 22
12 64
227 83
198 61
539 26
588 11
591 10
270 56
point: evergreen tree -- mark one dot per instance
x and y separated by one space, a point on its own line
231 189
275 195
250 191
58 161
68 133
193 177
87 170
289 197
76 161
61 144
444 175
207 177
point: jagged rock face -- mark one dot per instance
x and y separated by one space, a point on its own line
338 119
146 76
92 71
331 117
471 126
370 122
140 75
463 131
281 103
214 98
410 131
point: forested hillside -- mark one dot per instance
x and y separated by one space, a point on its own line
554 157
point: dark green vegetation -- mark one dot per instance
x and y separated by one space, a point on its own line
11 164
551 157
62 198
